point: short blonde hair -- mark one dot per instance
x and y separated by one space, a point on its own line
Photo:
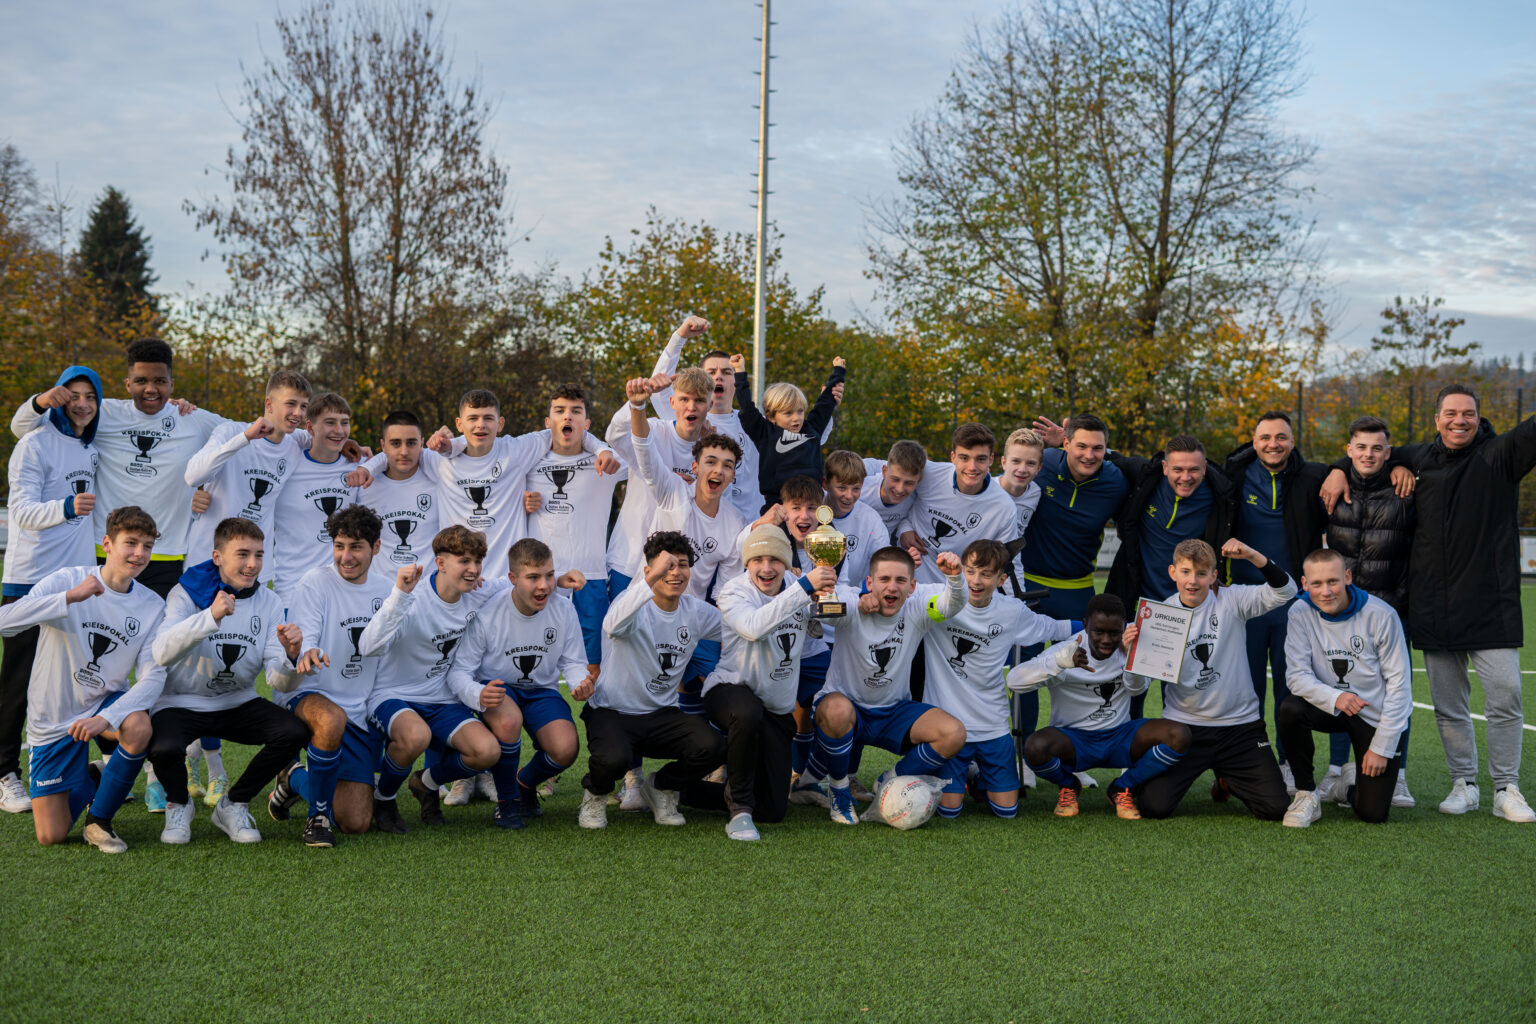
1197 553
1026 437
694 383
783 397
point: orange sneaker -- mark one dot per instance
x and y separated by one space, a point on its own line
1220 791
1066 803
1125 804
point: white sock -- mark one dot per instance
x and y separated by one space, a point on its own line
149 773
428 781
215 759
195 750
841 783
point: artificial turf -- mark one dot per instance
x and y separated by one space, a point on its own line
1208 916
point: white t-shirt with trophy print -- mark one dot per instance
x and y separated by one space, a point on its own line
332 614
1092 699
312 493
529 652
872 659
421 633
646 649
947 520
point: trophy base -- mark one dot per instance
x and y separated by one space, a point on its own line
831 609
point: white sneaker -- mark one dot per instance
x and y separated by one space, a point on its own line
1511 806
633 797
742 827
809 792
1346 779
593 812
1463 798
13 795
663 802
1400 795
547 788
1304 810
1088 781
1289 777
178 822
486 785
235 821
460 793
104 839
1327 785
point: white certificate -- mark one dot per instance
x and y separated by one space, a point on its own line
1159 648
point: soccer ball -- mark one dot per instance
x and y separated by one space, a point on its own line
907 801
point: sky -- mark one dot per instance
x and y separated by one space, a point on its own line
1421 111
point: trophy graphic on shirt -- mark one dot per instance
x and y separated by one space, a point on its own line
826 546
79 486
1341 667
963 646
101 646
526 663
403 528
328 504
224 680
941 529
786 642
355 634
667 660
145 443
1106 692
882 656
560 476
1207 675
260 485
477 493
444 651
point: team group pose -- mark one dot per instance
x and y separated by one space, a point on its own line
415 611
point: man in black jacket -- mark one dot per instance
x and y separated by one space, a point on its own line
1464 589
1176 495
1374 534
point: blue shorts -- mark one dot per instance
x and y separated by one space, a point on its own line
362 750
617 584
540 705
591 603
61 766
443 719
995 758
887 727
1108 748
813 676
705 657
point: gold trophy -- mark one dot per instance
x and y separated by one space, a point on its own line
826 546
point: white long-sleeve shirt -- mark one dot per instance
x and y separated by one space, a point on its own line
872 660
46 469
243 478
332 614
421 633
966 659
213 665
718 556
144 460
646 649
524 651
1365 654
312 493
890 515
1094 699
1024 506
947 520
762 639
865 535
626 546
85 650
1215 686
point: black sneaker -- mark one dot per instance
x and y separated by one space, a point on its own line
431 802
282 797
318 832
508 816
386 817
528 802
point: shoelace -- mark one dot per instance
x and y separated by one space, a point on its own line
1066 797
1123 799
12 787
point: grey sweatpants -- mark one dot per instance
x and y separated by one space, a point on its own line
1449 687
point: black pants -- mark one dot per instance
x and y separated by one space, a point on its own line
1238 753
614 739
161 576
757 756
256 723
15 677
1295 722
918 677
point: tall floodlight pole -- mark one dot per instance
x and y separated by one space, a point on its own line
759 313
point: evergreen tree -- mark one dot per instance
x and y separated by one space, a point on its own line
115 254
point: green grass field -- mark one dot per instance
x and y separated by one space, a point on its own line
1208 916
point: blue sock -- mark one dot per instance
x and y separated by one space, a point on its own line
1154 762
212 743
950 812
324 768
116 783
450 768
540 767
815 761
298 781
390 777
921 760
1010 811
855 757
692 703
800 751
834 753
1057 773
504 771
80 799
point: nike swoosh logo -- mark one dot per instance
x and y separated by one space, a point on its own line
781 447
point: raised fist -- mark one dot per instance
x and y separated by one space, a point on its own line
693 327
223 604
407 577
86 588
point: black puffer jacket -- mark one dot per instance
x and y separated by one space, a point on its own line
1374 533
1464 588
1145 474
